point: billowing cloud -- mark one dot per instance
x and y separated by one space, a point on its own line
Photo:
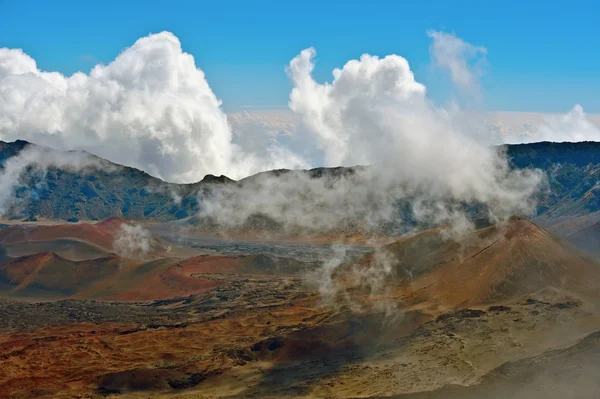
153 108
150 108
375 113
336 113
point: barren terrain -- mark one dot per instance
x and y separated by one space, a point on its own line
501 309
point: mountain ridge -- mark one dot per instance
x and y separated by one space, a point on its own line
572 169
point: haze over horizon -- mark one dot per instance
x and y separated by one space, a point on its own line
172 103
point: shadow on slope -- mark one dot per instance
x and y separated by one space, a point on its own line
50 276
557 374
66 248
488 265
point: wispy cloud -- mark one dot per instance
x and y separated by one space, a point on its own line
462 60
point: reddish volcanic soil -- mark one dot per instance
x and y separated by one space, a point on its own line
212 264
47 275
166 279
449 311
519 259
175 281
101 234
489 265
213 337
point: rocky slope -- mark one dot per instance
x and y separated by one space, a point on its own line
58 193
489 265
569 204
482 312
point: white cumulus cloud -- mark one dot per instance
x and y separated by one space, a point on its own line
375 112
151 108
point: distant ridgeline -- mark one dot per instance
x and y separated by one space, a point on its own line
573 171
113 191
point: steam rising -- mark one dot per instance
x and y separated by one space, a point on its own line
133 241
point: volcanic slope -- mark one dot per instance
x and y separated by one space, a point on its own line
588 239
101 234
70 249
570 372
49 276
493 264
81 241
261 332
582 231
499 294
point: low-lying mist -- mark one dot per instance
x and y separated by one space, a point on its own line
374 112
23 176
152 108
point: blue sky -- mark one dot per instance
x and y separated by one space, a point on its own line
543 55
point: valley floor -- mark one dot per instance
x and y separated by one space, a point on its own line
507 311
272 337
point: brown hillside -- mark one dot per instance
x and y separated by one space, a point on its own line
101 234
21 240
66 248
488 265
49 275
